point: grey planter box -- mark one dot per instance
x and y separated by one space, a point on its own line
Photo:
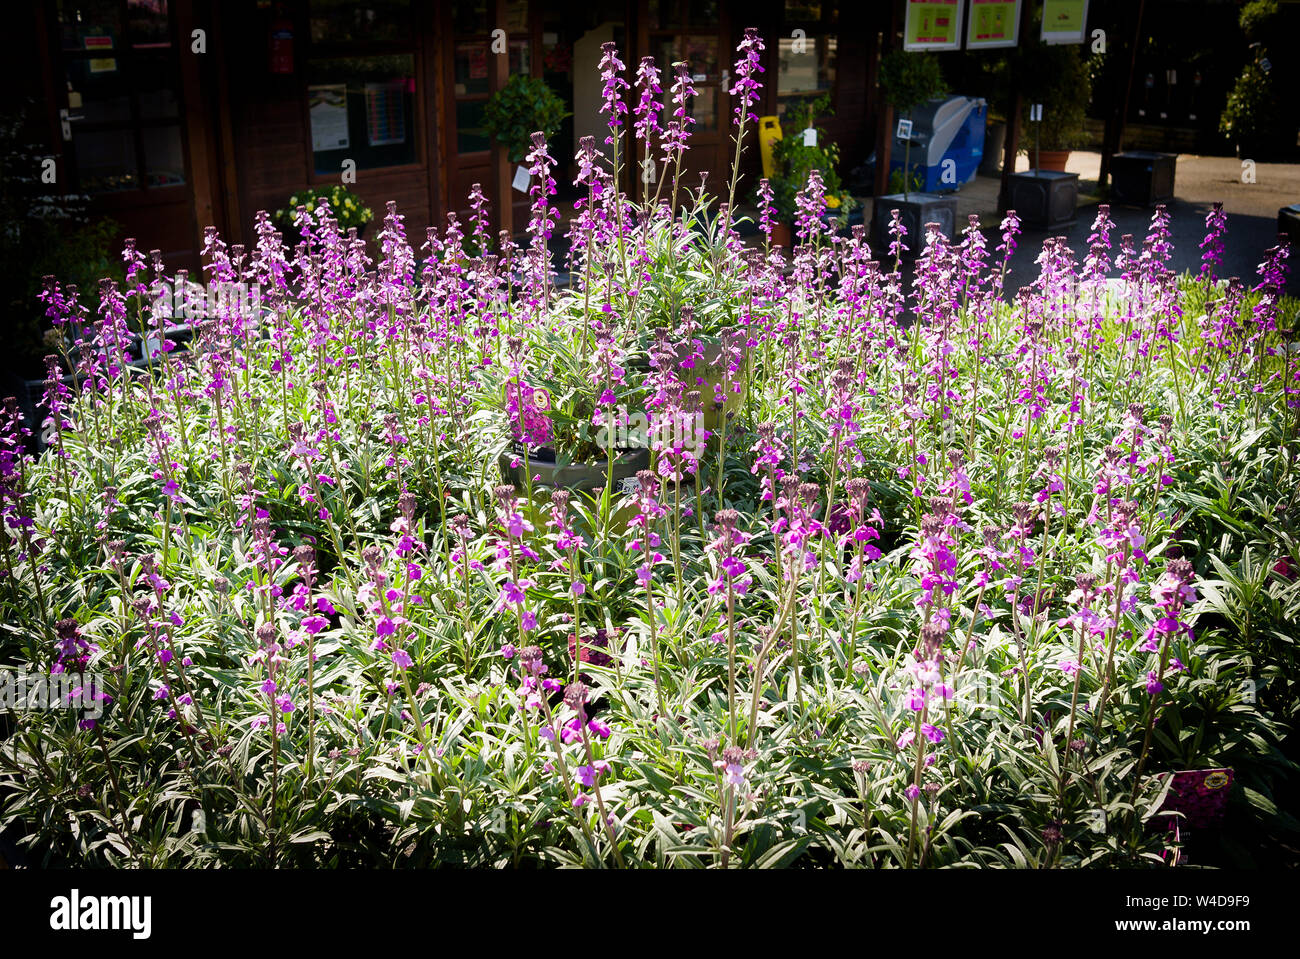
915 211
1288 223
1043 199
1142 178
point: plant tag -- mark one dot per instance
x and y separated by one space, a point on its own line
904 129
810 137
1036 112
699 77
521 180
629 485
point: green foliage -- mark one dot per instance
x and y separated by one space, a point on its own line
1257 19
1058 77
913 183
793 161
1252 109
520 108
908 79
345 206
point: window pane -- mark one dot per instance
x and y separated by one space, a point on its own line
803 10
470 16
146 24
362 109
90 24
521 57
516 16
809 72
705 110
702 55
156 85
343 21
106 161
703 13
164 157
471 135
471 65
664 14
96 94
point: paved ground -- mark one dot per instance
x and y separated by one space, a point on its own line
1198 183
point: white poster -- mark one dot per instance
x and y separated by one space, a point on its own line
328 106
1064 21
992 23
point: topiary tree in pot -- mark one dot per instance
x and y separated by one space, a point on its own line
514 112
1057 77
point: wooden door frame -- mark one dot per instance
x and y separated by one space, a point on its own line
720 165
195 121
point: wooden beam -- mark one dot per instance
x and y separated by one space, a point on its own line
500 72
1013 118
885 113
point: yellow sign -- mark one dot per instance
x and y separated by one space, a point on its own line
932 25
993 23
1064 21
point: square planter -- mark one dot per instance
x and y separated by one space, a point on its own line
1142 178
1043 199
1288 223
915 211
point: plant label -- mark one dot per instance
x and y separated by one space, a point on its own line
521 180
810 137
904 129
1036 112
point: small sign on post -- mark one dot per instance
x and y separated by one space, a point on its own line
520 182
810 137
1036 112
904 129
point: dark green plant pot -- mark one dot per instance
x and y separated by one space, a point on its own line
578 477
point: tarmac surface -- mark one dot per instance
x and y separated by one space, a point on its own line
1199 182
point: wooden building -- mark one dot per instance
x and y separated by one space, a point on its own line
177 114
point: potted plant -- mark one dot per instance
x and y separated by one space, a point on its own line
1055 76
906 80
793 160
521 107
345 206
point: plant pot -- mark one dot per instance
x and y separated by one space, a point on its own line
1142 178
915 210
1288 222
1043 199
584 477
579 477
1054 160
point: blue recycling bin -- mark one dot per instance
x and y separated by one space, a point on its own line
947 142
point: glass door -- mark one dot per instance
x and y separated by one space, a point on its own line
121 119
694 32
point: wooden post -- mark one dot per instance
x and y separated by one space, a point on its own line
1013 119
1128 89
885 114
500 160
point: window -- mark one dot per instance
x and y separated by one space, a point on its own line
806 64
360 85
122 75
